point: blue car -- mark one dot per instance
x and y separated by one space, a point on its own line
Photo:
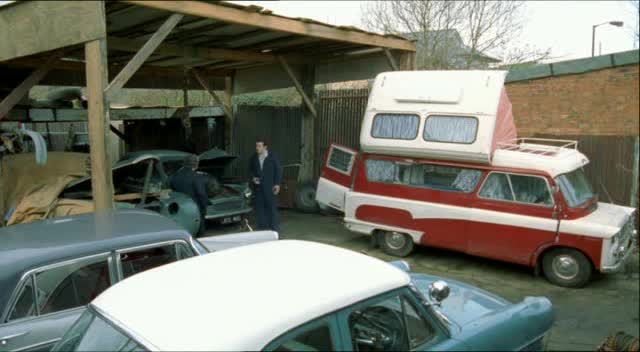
302 296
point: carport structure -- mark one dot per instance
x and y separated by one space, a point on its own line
107 46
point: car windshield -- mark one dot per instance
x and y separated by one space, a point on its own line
91 332
575 187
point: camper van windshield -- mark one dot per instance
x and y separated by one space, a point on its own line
575 187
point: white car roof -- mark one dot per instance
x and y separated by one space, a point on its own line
243 298
562 161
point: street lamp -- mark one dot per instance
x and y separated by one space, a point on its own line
593 33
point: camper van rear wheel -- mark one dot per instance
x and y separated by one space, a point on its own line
395 243
566 267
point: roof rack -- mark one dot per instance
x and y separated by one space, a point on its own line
541 146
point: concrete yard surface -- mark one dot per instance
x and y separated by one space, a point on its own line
584 317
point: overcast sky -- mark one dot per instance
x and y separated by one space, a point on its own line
564 26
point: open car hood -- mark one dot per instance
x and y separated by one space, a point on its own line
119 168
215 160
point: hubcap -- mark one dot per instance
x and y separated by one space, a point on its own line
395 240
565 267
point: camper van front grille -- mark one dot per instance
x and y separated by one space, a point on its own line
341 160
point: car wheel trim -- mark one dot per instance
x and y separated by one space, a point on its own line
395 240
565 267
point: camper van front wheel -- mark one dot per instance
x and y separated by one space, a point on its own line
566 267
395 243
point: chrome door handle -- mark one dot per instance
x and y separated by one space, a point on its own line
4 339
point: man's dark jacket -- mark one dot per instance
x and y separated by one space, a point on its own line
192 183
270 175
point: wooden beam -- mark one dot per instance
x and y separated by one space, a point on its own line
228 102
308 131
118 133
275 23
147 49
391 59
205 85
79 66
31 27
101 174
21 90
307 101
201 52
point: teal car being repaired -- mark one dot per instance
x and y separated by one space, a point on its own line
147 173
303 296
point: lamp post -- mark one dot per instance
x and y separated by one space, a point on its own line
593 33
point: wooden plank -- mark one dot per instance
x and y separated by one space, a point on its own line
391 59
140 57
307 152
134 196
206 86
101 175
275 23
228 103
30 27
200 52
118 133
21 90
307 101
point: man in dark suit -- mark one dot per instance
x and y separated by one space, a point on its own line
187 180
266 176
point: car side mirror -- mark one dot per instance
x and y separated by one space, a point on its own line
439 291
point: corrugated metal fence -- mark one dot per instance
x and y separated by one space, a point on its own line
280 125
340 115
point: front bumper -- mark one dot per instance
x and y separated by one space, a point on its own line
227 214
612 269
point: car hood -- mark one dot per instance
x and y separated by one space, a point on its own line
484 321
465 303
607 220
215 160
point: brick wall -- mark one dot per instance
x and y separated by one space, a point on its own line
603 102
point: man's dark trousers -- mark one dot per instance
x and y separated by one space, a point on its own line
266 202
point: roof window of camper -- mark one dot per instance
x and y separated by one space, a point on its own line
395 126
451 129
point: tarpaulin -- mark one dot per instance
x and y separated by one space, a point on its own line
21 179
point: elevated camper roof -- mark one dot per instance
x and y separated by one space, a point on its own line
475 92
450 115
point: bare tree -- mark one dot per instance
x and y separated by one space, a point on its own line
635 7
455 34
429 22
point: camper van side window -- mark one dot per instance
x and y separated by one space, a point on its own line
445 178
395 126
381 170
451 129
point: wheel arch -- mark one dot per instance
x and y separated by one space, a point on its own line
536 260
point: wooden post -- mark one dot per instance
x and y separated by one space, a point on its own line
301 90
408 61
208 88
229 120
391 59
307 155
143 54
98 116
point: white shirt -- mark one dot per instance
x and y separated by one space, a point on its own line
261 158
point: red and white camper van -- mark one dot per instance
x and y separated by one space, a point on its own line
441 165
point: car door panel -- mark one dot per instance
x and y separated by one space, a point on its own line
37 333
